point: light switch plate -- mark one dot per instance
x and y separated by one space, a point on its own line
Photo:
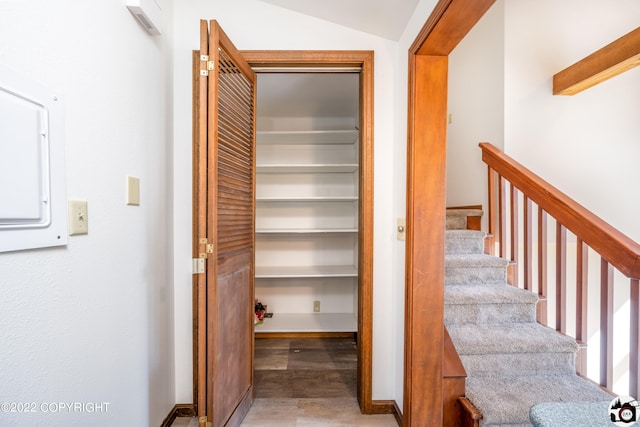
78 217
133 191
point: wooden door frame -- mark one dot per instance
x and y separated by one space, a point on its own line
364 60
344 59
447 25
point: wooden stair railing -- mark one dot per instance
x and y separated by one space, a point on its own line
512 187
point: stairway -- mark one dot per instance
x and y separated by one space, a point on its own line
512 362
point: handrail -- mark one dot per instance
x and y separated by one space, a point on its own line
507 180
619 250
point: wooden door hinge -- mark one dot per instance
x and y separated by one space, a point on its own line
208 248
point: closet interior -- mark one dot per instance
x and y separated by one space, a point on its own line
307 178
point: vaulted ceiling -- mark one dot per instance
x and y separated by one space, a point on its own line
384 18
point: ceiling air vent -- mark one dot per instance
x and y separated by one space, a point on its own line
148 12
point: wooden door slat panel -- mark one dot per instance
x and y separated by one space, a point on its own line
230 271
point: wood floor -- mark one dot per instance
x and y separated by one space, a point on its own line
306 382
305 368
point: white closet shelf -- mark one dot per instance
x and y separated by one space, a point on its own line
306 231
311 137
291 272
311 322
309 199
307 168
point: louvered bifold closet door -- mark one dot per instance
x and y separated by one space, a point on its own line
235 159
230 275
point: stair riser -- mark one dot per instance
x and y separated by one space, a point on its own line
455 222
489 313
519 364
474 275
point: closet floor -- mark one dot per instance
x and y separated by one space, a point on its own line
306 382
305 368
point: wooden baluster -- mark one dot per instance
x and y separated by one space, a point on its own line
527 243
541 308
561 278
634 359
491 181
582 273
502 215
513 213
606 324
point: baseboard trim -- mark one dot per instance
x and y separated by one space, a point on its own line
386 407
305 334
398 413
179 410
382 407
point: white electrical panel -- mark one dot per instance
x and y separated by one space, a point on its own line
32 192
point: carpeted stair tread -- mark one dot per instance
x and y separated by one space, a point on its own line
509 338
474 269
507 401
488 303
488 293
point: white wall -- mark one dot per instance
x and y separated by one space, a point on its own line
92 322
253 25
476 107
586 144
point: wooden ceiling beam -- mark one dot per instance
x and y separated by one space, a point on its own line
613 59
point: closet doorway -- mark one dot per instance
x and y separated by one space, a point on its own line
360 64
314 198
306 233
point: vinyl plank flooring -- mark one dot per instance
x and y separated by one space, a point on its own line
307 382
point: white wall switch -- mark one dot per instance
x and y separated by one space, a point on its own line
133 191
78 217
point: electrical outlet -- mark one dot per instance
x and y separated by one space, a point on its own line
316 306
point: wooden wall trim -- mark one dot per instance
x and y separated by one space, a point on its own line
426 157
438 10
449 24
